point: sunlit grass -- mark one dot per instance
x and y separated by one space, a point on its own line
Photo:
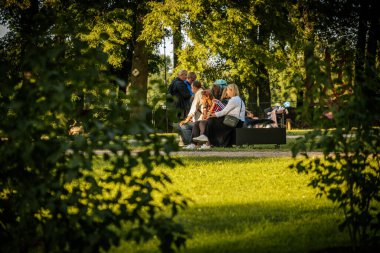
250 205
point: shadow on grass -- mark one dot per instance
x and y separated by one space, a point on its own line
263 227
258 227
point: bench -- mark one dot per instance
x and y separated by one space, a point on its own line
250 136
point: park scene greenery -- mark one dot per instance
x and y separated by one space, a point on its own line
122 184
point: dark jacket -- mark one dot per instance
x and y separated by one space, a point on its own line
179 91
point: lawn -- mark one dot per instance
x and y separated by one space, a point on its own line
251 205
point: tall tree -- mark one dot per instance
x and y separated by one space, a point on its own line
222 39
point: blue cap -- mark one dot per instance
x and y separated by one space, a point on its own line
222 83
287 104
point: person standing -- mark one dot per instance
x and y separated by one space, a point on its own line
191 77
180 94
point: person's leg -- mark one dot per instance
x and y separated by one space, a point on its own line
274 118
216 130
207 129
195 132
185 132
202 126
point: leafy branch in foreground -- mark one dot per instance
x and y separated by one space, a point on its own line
349 171
52 196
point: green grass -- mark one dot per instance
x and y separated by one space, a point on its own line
298 131
250 205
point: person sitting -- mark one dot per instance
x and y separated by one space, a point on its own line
274 111
252 121
224 98
216 132
210 105
249 119
185 126
217 88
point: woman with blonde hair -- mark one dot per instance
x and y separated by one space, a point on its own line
216 132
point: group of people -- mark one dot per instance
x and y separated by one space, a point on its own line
201 112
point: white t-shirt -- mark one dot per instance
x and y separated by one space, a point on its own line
196 106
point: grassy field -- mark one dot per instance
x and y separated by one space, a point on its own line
251 205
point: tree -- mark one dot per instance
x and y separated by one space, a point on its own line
348 174
226 39
54 197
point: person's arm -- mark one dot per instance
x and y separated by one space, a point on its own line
195 104
204 112
232 103
183 122
250 114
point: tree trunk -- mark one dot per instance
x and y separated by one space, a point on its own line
177 44
139 77
263 87
28 32
309 65
370 86
252 99
370 65
138 88
328 65
361 42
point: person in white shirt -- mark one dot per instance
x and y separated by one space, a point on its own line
185 126
217 133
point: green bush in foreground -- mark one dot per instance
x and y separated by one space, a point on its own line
51 198
349 172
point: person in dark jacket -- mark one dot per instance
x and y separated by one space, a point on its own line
181 95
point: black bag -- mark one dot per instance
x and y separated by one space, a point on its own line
230 121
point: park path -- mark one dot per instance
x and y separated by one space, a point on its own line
247 153
250 153
230 153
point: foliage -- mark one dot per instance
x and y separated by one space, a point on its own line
52 197
109 33
349 173
225 39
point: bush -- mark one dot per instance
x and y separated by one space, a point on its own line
348 173
51 197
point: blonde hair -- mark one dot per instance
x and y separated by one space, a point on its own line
224 94
235 90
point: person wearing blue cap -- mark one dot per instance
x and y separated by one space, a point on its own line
217 89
